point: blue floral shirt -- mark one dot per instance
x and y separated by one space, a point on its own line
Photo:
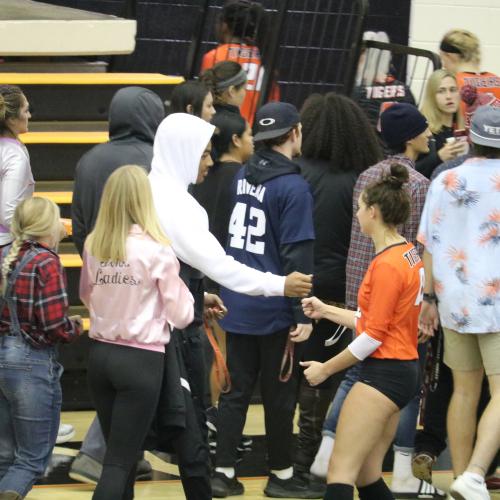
460 227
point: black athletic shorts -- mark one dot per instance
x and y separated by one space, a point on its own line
398 380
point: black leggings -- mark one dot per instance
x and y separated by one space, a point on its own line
125 385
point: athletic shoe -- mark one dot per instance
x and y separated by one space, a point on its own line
10 495
223 486
466 489
65 433
421 465
424 490
211 415
493 483
295 487
85 469
144 470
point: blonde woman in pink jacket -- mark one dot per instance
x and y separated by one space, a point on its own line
131 286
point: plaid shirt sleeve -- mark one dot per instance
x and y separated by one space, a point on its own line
361 250
50 305
419 187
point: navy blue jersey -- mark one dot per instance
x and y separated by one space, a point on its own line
265 216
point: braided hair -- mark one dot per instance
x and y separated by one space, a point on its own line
33 218
247 21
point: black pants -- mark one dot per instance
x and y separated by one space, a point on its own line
125 385
247 356
191 341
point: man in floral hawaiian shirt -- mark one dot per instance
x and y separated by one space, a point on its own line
460 229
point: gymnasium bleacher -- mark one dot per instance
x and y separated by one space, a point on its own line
69 116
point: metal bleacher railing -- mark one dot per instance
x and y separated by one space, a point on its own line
408 65
310 45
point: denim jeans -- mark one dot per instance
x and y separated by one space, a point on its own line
30 405
405 435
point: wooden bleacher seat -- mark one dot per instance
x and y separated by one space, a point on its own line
82 96
83 32
61 137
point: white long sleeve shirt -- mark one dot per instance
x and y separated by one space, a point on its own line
178 147
16 182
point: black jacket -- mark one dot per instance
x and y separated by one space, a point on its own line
134 116
214 194
332 192
426 163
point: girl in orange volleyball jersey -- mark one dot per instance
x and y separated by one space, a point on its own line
386 344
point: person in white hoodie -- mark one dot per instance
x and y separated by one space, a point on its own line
180 142
182 157
130 283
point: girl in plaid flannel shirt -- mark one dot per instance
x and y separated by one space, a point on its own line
33 320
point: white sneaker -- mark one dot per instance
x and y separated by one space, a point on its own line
66 433
464 488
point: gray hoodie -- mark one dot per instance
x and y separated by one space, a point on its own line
134 116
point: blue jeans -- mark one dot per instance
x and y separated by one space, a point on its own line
405 435
30 405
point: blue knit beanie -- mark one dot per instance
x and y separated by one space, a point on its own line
401 122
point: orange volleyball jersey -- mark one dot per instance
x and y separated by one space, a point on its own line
249 58
389 301
477 89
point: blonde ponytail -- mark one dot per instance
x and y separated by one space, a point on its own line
34 218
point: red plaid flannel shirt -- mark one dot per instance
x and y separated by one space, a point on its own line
361 249
41 299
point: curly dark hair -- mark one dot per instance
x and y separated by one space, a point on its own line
335 129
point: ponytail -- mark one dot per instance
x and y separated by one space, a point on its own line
9 259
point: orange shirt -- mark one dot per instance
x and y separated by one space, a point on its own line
389 301
249 58
487 92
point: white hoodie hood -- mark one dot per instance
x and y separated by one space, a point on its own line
178 147
179 143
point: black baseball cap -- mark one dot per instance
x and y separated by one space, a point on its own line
275 119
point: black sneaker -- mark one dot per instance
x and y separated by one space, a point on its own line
295 487
223 486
